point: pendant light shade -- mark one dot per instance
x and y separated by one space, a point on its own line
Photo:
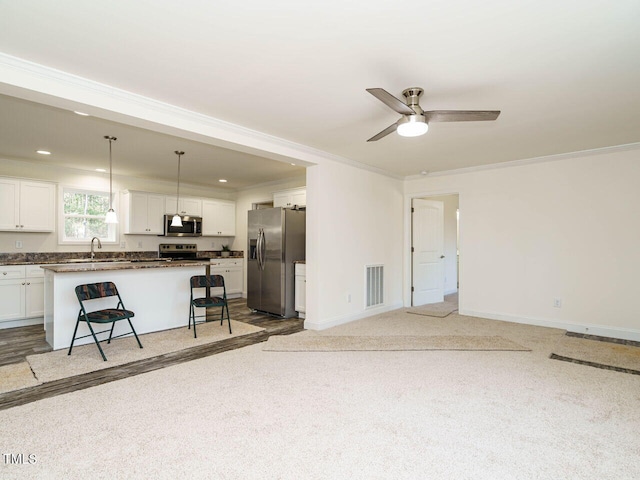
177 220
111 216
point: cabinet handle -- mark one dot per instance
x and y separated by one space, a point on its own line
28 283
4 273
23 283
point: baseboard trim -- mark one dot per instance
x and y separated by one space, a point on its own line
26 322
600 330
342 319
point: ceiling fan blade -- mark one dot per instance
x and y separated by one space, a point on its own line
391 101
461 115
390 129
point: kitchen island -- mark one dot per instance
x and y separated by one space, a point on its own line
157 292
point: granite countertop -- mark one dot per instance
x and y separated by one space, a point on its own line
101 257
122 265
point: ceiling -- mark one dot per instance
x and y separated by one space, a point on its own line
78 142
565 75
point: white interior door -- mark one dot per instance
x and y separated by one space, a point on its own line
428 251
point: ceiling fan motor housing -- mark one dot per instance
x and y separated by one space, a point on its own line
412 95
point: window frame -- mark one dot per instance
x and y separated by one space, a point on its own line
112 238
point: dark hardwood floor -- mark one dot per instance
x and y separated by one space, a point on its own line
17 343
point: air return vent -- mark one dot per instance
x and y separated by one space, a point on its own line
375 285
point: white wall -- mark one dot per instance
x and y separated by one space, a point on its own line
354 219
564 229
48 242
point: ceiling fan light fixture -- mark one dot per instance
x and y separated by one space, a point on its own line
412 126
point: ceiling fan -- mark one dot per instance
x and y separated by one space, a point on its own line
415 121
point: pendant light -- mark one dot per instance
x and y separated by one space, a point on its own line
111 216
177 220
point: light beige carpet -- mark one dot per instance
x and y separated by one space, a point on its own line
598 353
326 343
86 358
247 414
16 376
441 309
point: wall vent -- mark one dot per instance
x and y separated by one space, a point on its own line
375 285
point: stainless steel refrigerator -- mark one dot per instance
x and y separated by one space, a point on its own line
276 239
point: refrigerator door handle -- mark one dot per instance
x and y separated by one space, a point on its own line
263 249
258 247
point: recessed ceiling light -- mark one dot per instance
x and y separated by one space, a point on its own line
43 152
293 164
102 170
222 180
82 114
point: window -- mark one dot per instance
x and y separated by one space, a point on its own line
83 214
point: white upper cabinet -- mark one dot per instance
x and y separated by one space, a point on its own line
27 206
290 198
218 218
187 206
143 213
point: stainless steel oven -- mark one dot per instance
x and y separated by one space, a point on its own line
191 227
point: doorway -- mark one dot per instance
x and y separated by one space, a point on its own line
434 249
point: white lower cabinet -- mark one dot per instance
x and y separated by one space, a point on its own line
12 299
232 271
34 295
300 289
21 292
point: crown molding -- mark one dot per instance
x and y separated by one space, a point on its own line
529 161
38 83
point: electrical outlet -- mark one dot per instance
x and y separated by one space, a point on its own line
123 244
18 244
557 302
139 244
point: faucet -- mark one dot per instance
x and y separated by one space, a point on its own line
93 254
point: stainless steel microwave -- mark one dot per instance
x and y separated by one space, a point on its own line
191 227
